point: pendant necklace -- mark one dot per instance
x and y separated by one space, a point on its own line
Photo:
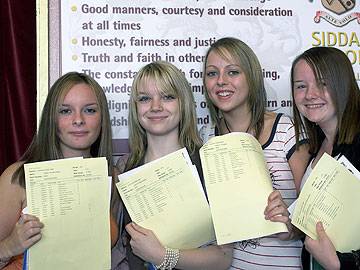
228 129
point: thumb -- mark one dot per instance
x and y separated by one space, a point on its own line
139 229
132 231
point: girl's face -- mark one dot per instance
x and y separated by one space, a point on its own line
312 97
226 83
78 121
158 113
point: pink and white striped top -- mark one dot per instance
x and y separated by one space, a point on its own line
269 252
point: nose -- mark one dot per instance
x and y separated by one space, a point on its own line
222 79
312 92
156 104
78 119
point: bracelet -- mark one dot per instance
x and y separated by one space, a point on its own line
162 265
170 260
174 255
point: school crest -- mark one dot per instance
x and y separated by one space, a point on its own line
338 6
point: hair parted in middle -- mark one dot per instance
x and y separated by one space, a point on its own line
234 50
169 80
46 144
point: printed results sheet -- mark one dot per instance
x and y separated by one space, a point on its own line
71 198
330 195
238 185
166 196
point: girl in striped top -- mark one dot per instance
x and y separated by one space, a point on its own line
236 98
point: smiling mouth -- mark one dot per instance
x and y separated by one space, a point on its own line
224 93
157 118
78 133
314 106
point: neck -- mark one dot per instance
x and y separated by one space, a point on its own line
236 122
329 131
72 154
159 146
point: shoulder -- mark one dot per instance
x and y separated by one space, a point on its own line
356 141
273 126
7 175
12 200
283 124
280 133
8 187
269 117
282 121
350 151
270 122
355 147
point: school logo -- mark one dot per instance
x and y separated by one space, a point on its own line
338 7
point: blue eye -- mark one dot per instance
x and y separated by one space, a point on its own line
90 110
211 73
64 111
143 99
234 72
168 97
299 86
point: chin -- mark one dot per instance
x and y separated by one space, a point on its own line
225 109
313 117
83 146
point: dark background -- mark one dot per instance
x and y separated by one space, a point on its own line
17 78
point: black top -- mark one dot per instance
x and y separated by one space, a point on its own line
351 260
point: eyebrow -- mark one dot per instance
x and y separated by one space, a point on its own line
88 104
227 66
150 94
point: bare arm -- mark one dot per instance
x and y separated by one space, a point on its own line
298 162
210 257
17 232
145 245
114 230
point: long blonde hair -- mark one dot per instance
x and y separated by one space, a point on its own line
170 80
245 57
